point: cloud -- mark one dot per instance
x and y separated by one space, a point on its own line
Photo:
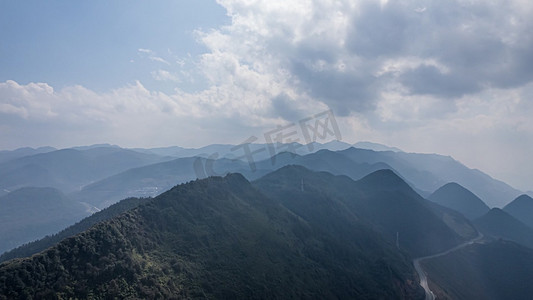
164 75
151 55
429 80
158 59
335 51
426 76
36 114
421 75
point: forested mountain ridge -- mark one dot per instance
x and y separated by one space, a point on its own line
212 238
381 199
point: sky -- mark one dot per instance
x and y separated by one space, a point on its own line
447 77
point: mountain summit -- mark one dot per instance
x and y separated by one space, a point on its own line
522 209
454 196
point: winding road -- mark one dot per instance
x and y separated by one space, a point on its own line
422 275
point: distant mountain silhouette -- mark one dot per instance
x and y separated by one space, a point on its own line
522 209
323 160
428 172
153 179
499 224
217 238
94 146
261 151
69 169
7 155
31 213
375 147
72 169
454 196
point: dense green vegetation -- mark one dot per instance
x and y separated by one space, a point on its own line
216 238
494 270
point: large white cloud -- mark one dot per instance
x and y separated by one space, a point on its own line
347 53
438 76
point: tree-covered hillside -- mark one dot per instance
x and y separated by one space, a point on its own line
213 238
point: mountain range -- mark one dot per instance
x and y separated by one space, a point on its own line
428 172
382 199
68 169
356 163
217 238
101 175
292 231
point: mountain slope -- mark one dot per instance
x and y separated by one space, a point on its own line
494 270
382 200
212 238
522 209
387 199
498 223
31 213
454 196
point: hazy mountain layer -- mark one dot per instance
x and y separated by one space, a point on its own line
68 169
50 240
522 209
6 155
499 224
454 196
428 172
28 214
